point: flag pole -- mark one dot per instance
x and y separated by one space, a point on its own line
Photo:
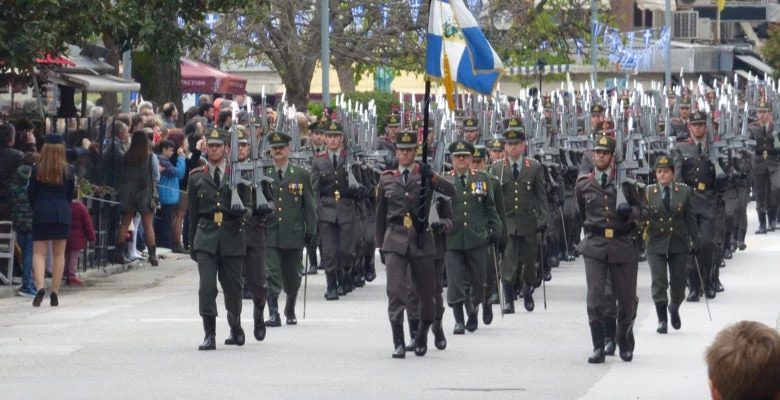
422 215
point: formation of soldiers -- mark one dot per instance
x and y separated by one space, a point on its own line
511 189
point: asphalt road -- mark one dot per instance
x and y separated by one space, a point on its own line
134 335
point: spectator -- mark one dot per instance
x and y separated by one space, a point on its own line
96 119
113 154
21 216
191 113
52 187
170 115
170 175
207 111
25 138
743 363
81 232
181 208
225 119
10 159
136 191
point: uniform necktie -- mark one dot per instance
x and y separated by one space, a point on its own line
217 179
406 176
667 198
335 161
463 181
699 148
515 171
281 176
603 181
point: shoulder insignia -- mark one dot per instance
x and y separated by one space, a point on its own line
198 170
582 178
387 172
321 154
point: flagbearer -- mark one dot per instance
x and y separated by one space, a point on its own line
292 228
672 234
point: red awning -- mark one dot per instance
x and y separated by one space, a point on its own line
197 77
49 60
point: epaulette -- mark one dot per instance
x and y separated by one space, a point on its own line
581 178
196 170
387 172
321 154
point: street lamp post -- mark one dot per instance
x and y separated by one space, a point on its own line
502 21
540 64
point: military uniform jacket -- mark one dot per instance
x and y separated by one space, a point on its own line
444 208
390 159
474 209
525 201
206 201
396 204
696 171
670 232
680 128
766 154
335 202
254 227
295 213
598 209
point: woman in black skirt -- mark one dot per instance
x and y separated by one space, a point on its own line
52 187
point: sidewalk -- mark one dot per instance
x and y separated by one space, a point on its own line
7 291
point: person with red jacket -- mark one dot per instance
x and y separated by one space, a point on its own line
81 231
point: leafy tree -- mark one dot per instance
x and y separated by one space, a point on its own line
771 50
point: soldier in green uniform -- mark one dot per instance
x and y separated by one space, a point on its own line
316 145
610 251
471 130
497 151
290 229
479 163
216 234
766 168
672 233
680 124
476 227
406 258
525 203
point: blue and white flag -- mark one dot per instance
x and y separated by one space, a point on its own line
458 52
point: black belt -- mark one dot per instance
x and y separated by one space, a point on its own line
609 232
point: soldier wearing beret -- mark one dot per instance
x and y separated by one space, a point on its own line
476 227
216 234
291 228
766 168
407 257
522 185
672 234
693 167
610 251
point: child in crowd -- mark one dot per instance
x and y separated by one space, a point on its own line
170 174
81 232
21 216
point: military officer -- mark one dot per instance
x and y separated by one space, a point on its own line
766 168
287 232
497 152
680 124
392 128
525 203
471 130
407 258
254 270
476 226
217 238
693 167
610 250
672 234
336 209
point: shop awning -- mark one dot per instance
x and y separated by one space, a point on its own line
756 63
96 83
197 77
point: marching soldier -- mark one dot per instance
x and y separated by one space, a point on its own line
672 234
316 145
525 203
766 168
217 238
692 163
336 209
609 250
680 124
392 127
497 151
254 270
471 130
407 258
293 227
476 227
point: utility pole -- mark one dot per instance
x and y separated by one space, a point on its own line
325 50
594 57
668 53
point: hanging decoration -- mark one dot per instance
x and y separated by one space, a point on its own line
357 15
620 46
414 8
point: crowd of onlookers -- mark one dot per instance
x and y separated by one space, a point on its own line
144 157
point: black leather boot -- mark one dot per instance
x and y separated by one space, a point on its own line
421 338
487 312
121 254
237 336
331 293
257 314
597 335
660 310
694 286
610 330
341 283
398 340
771 216
210 328
457 312
674 315
289 309
528 299
153 256
312 260
370 269
761 223
625 341
727 255
274 319
438 335
414 325
509 300
472 323
741 239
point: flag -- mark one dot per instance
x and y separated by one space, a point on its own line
721 4
458 52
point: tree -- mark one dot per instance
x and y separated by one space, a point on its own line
771 49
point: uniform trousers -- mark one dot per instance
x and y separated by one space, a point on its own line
255 273
466 269
402 269
228 270
674 280
282 266
338 245
622 276
519 259
767 184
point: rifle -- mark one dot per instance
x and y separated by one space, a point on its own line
255 165
235 175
